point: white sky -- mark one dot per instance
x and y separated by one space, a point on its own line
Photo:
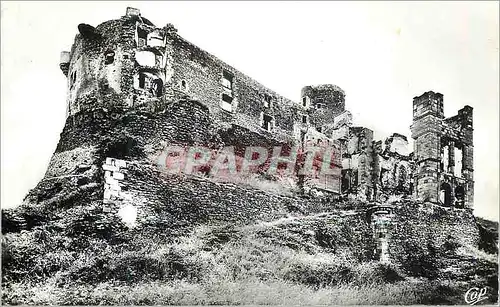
381 54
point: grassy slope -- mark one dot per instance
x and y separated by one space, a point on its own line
310 259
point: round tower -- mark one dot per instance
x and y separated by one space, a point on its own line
120 63
322 103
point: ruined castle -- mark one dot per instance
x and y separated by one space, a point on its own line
129 63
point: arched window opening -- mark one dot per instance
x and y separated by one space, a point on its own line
183 85
445 194
157 87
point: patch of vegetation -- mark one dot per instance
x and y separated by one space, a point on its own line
297 260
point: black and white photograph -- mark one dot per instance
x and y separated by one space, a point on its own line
249 153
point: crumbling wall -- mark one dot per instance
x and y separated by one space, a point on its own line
186 122
443 153
427 227
396 166
358 163
171 201
66 162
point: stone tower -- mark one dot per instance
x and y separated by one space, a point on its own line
443 152
120 63
323 102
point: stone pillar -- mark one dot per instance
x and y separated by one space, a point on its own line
381 224
451 157
113 177
468 174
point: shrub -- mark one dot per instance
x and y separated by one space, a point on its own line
373 273
319 270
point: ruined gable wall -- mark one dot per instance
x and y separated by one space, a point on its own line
458 132
396 166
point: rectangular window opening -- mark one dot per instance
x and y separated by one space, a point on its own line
142 81
227 80
227 102
267 101
305 119
142 36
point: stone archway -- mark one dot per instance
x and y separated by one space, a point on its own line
158 87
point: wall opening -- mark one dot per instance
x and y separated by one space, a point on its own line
142 80
72 79
305 119
267 122
458 162
150 83
109 57
183 85
227 102
459 196
157 87
445 194
227 80
305 101
445 154
349 179
146 58
267 101
142 36
402 178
